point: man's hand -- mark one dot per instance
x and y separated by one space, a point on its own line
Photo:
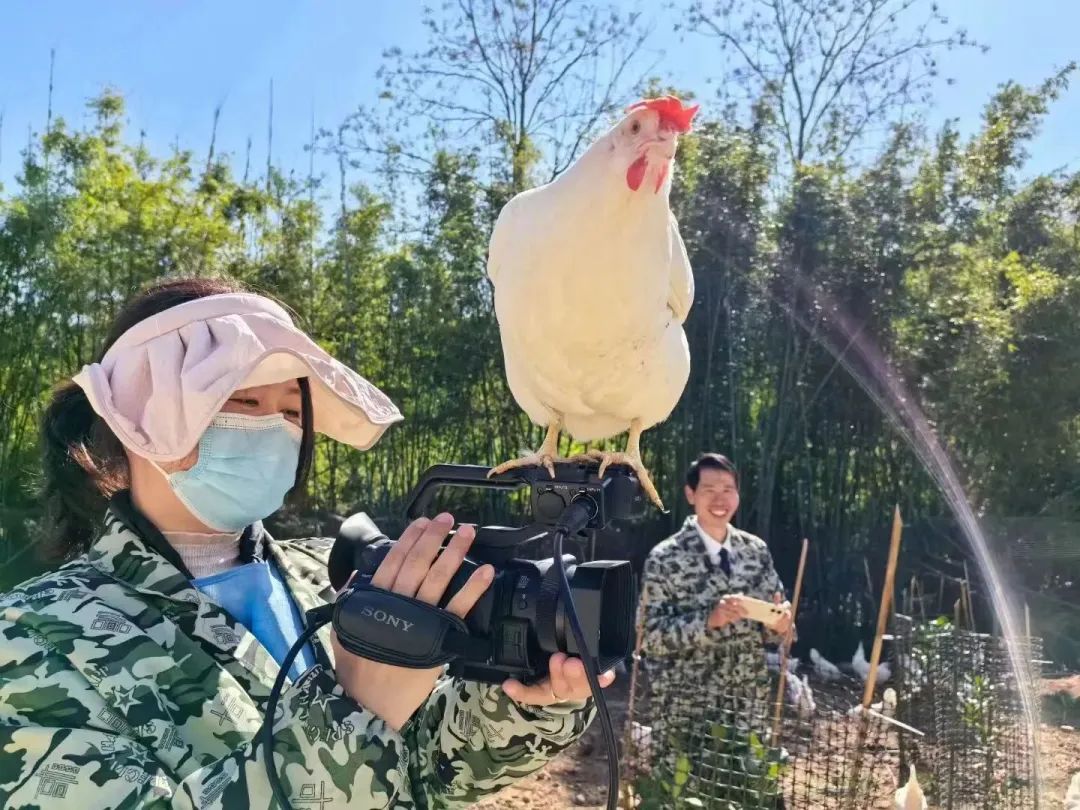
729 609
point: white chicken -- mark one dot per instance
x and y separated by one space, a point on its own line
641 736
888 702
801 696
824 669
885 707
772 662
862 666
910 796
600 232
1072 795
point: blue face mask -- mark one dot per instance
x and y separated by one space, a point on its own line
246 467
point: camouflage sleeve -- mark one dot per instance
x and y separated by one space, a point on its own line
324 743
470 740
669 629
770 580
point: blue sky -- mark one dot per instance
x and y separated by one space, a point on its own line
175 60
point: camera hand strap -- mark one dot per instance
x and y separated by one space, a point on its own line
394 629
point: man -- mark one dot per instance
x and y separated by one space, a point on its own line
706 666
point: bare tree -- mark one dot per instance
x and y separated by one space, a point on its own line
830 69
533 77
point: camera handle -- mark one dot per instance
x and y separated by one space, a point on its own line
469 476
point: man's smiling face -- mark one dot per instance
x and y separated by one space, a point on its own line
715 501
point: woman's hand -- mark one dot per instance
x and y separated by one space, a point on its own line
566 681
410 568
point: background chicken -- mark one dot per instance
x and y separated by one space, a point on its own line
592 286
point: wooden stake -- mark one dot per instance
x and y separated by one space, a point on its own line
785 645
887 591
883 610
969 606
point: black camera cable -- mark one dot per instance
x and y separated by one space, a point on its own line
316 619
574 518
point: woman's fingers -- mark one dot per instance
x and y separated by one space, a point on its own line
439 575
388 569
557 675
577 682
565 673
464 600
418 561
414 566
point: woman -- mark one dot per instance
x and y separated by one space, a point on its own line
137 674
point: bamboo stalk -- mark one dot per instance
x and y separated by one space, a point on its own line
785 645
875 655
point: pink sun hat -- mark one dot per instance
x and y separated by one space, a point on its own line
159 386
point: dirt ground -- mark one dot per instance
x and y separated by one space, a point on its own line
578 777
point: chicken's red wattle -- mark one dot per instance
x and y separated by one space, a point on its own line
635 175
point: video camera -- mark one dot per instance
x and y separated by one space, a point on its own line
532 609
522 618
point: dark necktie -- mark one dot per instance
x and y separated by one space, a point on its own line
725 561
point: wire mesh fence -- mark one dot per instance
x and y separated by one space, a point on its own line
700 739
959 688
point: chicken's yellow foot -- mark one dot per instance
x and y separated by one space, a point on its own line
545 457
631 458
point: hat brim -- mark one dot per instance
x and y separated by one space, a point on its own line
159 386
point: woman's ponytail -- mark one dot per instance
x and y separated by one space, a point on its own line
84 465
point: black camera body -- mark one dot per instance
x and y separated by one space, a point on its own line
521 619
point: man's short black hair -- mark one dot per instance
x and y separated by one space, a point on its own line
709 461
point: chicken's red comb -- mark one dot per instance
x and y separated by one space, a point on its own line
671 111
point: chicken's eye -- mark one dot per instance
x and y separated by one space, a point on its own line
635 127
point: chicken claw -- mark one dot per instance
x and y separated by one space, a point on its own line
631 460
545 457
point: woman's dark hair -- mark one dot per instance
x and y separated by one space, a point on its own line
84 463
709 461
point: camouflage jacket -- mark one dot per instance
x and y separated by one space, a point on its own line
682 586
122 686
